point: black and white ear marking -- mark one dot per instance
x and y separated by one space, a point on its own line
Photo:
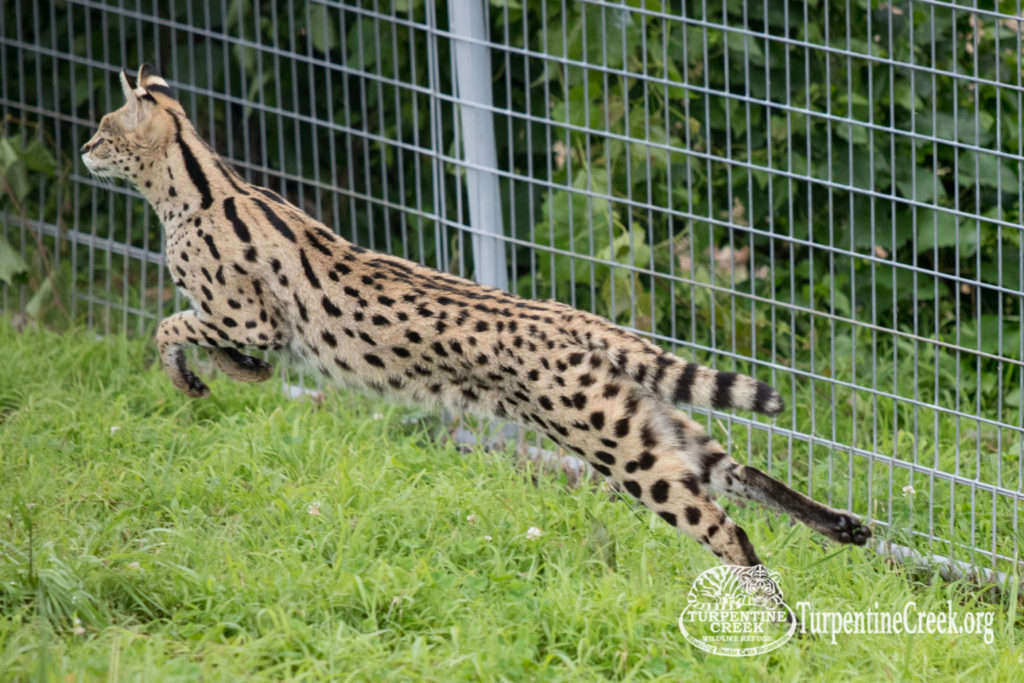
150 81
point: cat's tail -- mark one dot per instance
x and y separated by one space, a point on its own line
667 375
676 380
679 381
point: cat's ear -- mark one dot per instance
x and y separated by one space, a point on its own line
151 83
128 88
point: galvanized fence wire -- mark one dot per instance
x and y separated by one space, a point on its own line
824 194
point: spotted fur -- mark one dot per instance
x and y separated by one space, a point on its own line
262 274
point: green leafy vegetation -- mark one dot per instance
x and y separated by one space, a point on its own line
250 536
831 189
675 176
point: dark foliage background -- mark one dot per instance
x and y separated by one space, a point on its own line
832 188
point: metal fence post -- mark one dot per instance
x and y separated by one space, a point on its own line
473 90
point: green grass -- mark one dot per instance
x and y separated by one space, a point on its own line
146 536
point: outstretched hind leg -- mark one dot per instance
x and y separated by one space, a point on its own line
682 504
732 478
713 529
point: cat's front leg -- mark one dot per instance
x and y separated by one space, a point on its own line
173 334
189 328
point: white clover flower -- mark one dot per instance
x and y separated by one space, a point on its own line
909 490
471 519
114 429
314 509
78 629
533 533
488 538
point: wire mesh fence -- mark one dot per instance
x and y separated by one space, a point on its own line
825 195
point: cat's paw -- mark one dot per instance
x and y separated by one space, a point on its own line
848 529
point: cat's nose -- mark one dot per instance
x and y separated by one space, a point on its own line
91 144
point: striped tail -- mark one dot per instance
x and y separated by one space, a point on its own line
678 381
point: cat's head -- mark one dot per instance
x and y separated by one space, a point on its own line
130 137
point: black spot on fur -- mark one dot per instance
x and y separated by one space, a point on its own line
308 270
668 517
192 167
646 460
647 436
275 221
708 462
692 516
239 226
722 396
270 194
690 482
317 244
374 360
762 395
214 252
330 308
597 419
640 373
303 313
684 385
633 488
659 491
